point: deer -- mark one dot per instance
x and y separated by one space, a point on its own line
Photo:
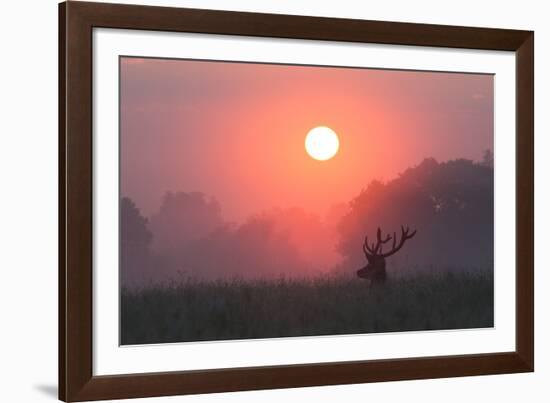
375 270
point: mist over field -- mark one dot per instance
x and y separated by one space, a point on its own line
450 204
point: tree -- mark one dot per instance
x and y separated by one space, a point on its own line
135 242
133 226
450 204
183 217
488 159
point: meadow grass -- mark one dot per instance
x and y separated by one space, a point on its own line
192 310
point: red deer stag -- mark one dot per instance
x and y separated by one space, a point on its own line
375 270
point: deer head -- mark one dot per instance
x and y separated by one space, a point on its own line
375 270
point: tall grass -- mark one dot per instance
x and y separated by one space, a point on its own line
191 310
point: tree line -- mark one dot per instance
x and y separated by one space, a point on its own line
449 203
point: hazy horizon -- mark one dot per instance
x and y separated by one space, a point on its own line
235 131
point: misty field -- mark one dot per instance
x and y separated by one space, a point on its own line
192 310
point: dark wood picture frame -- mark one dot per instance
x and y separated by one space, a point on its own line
76 22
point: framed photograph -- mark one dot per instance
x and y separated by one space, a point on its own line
252 201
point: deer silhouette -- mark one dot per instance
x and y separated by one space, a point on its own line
375 270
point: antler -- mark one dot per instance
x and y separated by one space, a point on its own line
404 236
374 249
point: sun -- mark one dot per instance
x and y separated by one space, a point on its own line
322 143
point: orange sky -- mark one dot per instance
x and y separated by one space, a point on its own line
236 131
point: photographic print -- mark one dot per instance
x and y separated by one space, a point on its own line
266 200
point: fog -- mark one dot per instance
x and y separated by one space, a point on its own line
450 204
